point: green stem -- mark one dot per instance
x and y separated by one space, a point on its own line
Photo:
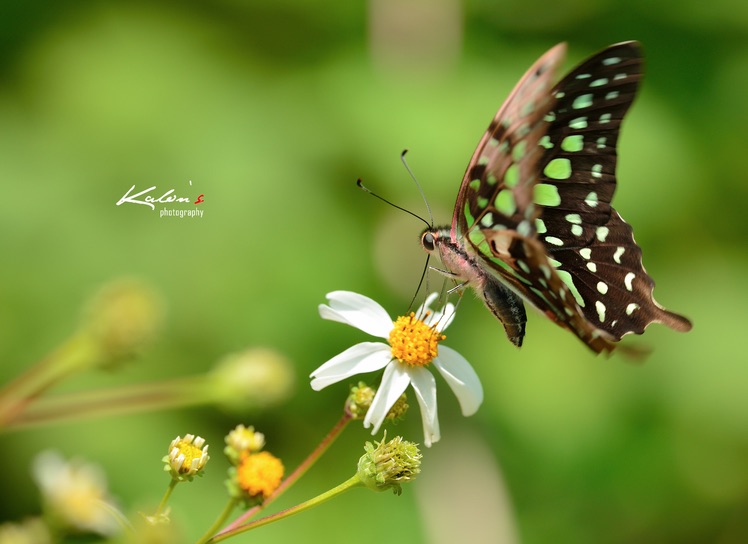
352 482
230 505
74 355
172 484
298 473
179 392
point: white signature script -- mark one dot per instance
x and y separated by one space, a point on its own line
149 200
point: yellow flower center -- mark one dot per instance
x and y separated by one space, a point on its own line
413 342
259 474
190 452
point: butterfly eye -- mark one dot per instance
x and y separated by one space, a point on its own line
428 241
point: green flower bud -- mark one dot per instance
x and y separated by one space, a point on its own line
257 378
389 464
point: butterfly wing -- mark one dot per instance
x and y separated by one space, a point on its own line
592 247
504 167
534 203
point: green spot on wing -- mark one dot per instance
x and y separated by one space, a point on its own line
591 199
558 168
511 176
579 122
505 203
474 184
545 141
469 219
502 264
546 195
582 101
518 151
573 143
540 226
476 237
569 281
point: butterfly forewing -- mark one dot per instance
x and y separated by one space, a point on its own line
577 176
591 245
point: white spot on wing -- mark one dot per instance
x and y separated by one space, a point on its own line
600 307
628 281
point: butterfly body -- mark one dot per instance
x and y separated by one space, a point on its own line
533 220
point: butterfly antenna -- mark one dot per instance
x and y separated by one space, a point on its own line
420 189
364 188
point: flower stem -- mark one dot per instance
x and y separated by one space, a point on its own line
352 482
230 505
172 484
296 474
75 354
179 392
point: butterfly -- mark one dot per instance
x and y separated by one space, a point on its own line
533 219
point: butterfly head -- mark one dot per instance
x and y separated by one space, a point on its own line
428 240
435 240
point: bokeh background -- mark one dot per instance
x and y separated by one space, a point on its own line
272 109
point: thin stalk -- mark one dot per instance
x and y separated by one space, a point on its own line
352 482
230 505
297 473
179 392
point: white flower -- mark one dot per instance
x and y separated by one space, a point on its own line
412 345
75 492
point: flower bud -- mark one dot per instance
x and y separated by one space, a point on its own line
389 464
243 440
122 319
256 378
187 457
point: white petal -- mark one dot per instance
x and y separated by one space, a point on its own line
394 382
358 359
444 317
424 386
440 319
358 311
426 307
461 378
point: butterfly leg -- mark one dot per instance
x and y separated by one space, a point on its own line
444 272
457 287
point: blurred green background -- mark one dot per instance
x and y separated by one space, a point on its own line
272 109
